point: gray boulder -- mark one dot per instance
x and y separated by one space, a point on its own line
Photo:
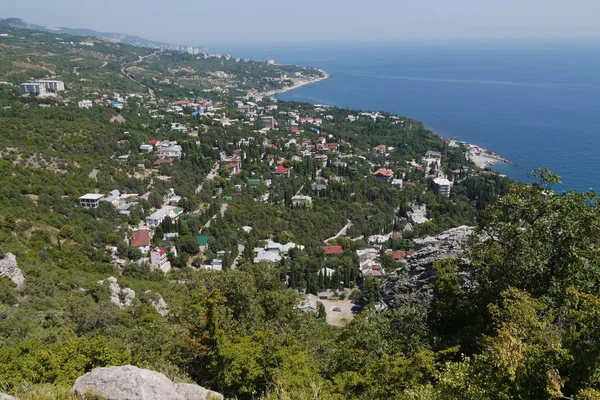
4 396
195 392
411 284
132 383
9 269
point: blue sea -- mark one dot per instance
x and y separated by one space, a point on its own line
536 104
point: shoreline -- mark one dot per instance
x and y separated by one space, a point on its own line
297 85
480 156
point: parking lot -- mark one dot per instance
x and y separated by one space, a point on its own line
338 318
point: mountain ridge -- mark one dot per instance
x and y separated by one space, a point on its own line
117 37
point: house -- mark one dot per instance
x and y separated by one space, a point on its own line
442 186
158 258
300 200
162 161
397 255
328 272
146 148
383 174
91 200
272 251
177 127
253 182
233 168
332 250
397 182
282 171
173 151
156 218
380 149
112 197
140 239
85 104
202 242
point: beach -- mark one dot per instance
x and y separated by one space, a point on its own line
297 84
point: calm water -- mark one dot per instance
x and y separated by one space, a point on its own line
537 104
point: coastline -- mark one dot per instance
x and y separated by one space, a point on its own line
300 83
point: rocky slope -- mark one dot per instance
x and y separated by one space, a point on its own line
411 284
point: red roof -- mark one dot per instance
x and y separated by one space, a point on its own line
232 165
160 251
281 170
380 147
410 184
332 249
294 129
153 142
140 238
182 102
384 172
397 255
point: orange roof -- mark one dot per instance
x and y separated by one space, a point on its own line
140 238
332 249
384 172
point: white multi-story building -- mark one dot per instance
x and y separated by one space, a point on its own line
33 87
442 186
158 258
42 86
91 200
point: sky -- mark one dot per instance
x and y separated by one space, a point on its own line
201 22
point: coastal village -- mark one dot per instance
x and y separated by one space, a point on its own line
266 147
303 134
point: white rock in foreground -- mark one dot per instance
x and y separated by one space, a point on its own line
132 383
9 269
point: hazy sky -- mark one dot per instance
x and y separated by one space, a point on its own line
201 22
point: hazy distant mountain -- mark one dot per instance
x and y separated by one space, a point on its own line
117 37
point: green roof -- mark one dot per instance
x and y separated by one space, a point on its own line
202 240
228 198
254 182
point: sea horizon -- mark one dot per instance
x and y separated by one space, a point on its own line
533 103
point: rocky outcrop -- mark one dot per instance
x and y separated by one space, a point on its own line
133 383
4 396
411 284
122 298
158 303
9 269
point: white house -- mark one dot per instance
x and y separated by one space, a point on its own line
91 200
156 218
85 104
301 200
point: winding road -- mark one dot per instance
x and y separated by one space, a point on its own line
124 72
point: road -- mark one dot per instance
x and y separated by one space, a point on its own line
224 207
241 249
211 176
124 72
342 232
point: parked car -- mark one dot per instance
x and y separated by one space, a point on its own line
337 309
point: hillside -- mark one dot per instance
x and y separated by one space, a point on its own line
156 213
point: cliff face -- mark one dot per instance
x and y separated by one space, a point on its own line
411 284
133 383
